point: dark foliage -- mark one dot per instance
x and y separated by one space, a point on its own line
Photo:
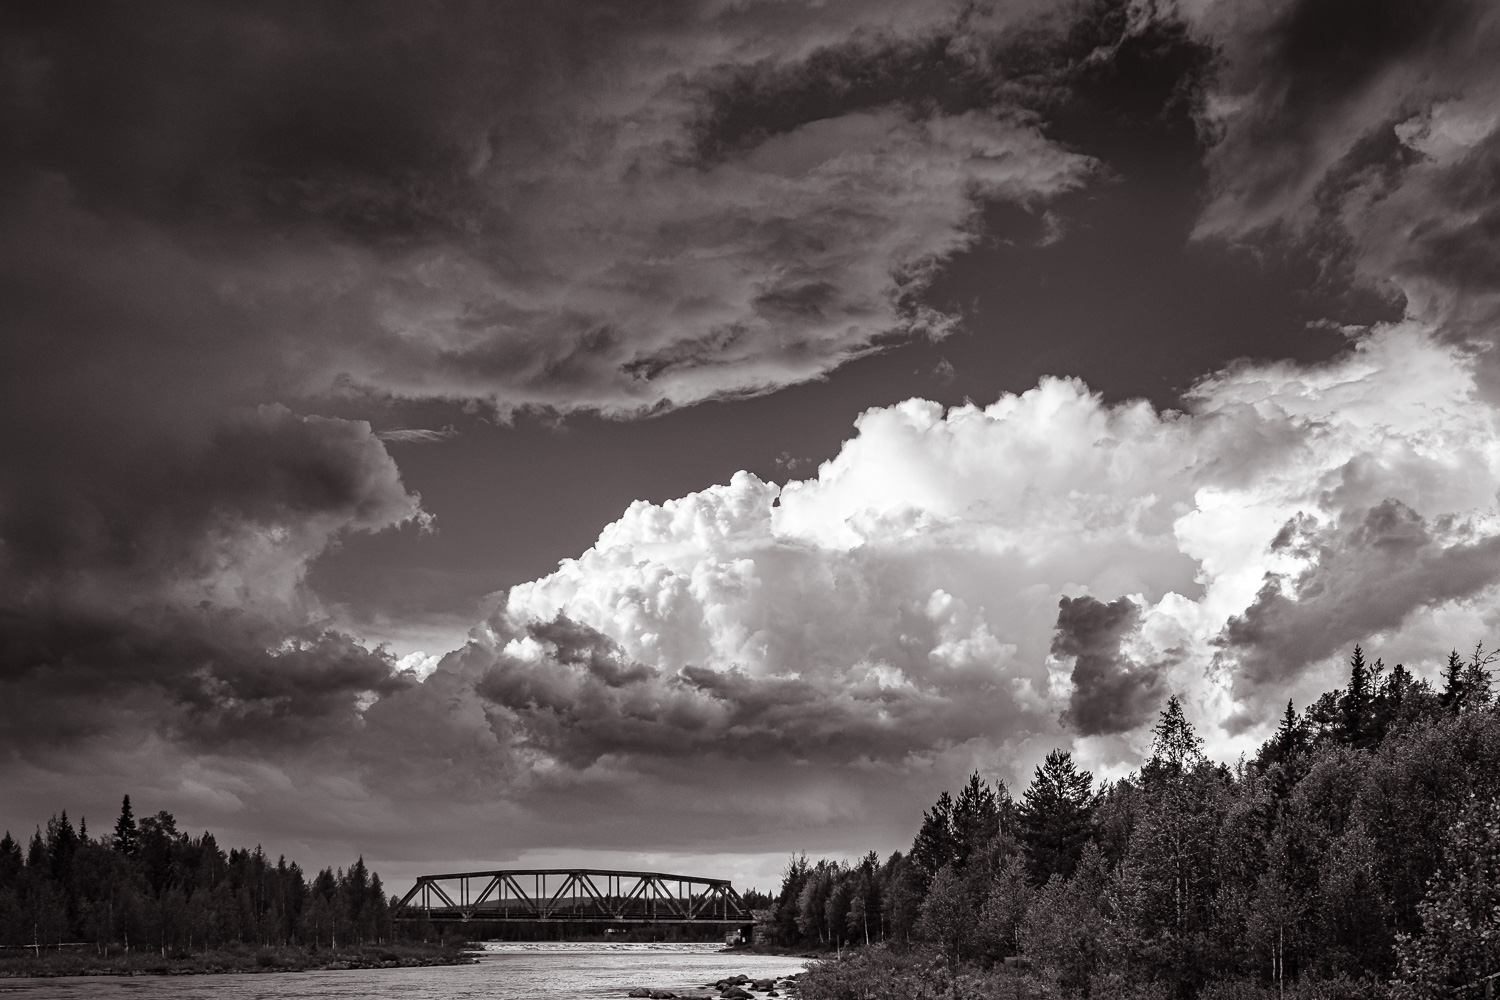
148 887
1057 816
1357 855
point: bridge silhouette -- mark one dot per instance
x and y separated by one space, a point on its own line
574 896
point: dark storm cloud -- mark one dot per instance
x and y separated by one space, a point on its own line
576 644
211 679
1365 574
267 480
356 118
1459 243
1367 126
572 692
497 202
1111 692
1321 54
162 592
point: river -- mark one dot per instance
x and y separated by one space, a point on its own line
505 971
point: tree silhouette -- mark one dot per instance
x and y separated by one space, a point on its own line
1056 817
126 835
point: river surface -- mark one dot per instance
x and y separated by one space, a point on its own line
505 971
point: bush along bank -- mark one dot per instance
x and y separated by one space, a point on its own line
1356 856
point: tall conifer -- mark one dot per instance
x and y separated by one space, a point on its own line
1354 706
1056 817
126 835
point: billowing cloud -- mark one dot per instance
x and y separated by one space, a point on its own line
896 606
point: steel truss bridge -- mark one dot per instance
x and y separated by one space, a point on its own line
574 895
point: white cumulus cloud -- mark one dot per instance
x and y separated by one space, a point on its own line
905 602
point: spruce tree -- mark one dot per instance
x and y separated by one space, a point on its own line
126 836
1390 697
1453 683
976 819
1291 737
1285 753
11 862
935 844
1354 706
1056 817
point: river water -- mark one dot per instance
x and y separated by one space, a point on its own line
505 971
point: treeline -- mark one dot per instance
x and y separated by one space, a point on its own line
1358 854
148 886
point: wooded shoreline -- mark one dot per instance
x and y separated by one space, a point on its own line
1356 856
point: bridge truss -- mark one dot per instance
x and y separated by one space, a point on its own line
574 895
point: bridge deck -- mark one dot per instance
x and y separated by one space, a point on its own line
574 895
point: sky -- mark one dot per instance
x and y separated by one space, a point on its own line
680 434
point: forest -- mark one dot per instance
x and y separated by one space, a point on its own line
1357 855
148 887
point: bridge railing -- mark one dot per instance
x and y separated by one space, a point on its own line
575 895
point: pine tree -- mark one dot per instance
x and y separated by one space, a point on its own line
11 861
36 852
1290 738
1056 817
62 845
1285 754
976 819
1175 746
935 844
127 838
1390 698
785 909
1453 683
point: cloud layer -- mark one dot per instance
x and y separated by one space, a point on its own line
508 205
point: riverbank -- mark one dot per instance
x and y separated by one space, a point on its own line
879 973
86 962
